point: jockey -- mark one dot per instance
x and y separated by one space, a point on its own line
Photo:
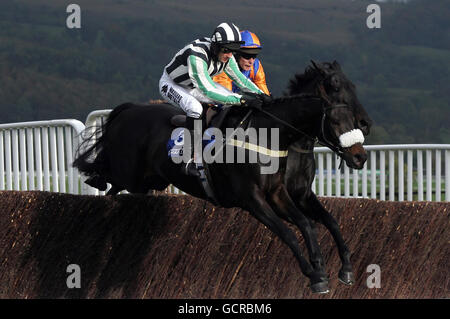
248 63
186 81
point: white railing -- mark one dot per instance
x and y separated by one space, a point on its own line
38 155
392 172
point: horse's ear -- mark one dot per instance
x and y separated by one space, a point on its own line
315 65
319 67
336 65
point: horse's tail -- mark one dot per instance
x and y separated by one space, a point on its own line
85 161
115 112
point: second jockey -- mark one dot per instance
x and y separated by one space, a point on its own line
249 64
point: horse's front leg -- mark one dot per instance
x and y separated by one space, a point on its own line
261 210
285 207
312 207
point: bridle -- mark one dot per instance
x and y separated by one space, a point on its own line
324 140
321 139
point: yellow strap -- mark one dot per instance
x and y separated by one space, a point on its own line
257 148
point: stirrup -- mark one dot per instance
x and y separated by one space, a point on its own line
191 169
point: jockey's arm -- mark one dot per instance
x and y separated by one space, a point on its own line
260 80
246 85
198 72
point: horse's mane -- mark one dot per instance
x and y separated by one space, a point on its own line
291 98
294 97
301 80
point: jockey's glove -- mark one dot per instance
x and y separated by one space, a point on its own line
266 98
252 100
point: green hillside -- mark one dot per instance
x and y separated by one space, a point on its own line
401 71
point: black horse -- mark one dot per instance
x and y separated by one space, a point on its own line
326 80
132 155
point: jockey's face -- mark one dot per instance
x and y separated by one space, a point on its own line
224 57
245 64
246 61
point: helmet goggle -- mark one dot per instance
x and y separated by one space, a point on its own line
247 56
227 47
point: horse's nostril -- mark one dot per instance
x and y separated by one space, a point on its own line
360 158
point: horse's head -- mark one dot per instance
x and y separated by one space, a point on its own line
337 88
344 121
340 134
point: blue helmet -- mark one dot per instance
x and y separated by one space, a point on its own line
251 45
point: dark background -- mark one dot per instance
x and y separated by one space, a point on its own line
401 71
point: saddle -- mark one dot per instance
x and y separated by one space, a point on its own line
212 117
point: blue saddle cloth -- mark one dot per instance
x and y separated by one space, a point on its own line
176 142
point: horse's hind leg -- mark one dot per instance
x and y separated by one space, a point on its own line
312 207
114 190
262 211
97 181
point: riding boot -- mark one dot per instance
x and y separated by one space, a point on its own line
191 168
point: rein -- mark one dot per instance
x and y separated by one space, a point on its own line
323 140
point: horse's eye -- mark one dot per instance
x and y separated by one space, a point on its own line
335 83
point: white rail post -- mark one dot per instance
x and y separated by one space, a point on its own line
30 156
60 155
320 174
38 153
329 175
391 176
68 141
419 175
447 175
346 181
337 175
53 161
438 176
364 181
2 162
45 158
355 183
23 160
15 149
313 185
8 165
373 173
401 191
409 178
429 175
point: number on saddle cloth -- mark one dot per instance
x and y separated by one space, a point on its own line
213 116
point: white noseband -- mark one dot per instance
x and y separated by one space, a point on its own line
351 138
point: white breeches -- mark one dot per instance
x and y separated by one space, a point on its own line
187 99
